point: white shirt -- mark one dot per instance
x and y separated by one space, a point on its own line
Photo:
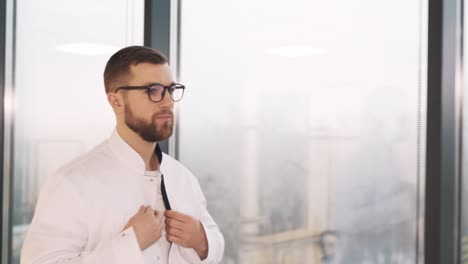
84 206
158 252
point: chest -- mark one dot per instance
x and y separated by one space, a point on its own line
114 200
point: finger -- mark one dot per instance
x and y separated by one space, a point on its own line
174 231
174 239
149 210
175 223
160 227
145 209
141 209
178 216
159 215
170 228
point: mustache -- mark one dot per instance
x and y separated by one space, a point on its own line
163 112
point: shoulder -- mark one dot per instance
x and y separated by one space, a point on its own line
177 170
171 164
83 168
182 185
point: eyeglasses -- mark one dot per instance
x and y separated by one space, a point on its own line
156 91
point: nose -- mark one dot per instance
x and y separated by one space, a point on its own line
167 102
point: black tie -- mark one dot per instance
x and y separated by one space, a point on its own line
167 205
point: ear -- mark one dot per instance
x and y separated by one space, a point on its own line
116 101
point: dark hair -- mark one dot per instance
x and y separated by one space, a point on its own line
118 66
329 232
325 233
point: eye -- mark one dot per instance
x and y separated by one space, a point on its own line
171 89
155 89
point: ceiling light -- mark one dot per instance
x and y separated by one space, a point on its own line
87 49
295 51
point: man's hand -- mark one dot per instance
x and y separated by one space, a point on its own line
186 231
148 226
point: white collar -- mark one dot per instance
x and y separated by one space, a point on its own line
127 155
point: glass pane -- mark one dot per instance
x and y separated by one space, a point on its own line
60 103
303 122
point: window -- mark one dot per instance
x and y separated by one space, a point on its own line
305 120
61 108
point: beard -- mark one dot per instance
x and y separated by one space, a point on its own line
149 131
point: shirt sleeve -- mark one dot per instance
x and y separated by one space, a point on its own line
213 234
58 232
191 255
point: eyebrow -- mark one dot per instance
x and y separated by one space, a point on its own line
149 83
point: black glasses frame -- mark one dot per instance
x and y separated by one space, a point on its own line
170 88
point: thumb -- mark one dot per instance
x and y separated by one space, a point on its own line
148 210
158 215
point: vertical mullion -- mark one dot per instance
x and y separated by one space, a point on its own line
157 34
7 33
443 132
3 207
7 47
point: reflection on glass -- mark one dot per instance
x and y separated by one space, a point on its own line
302 119
61 110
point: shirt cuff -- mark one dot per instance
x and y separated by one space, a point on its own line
192 256
126 248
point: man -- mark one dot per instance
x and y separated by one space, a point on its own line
125 201
328 240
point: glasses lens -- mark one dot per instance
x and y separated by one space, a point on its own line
155 92
177 92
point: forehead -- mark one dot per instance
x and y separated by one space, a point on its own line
147 73
329 238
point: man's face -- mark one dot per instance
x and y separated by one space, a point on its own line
329 244
152 121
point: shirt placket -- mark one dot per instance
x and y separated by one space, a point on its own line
153 192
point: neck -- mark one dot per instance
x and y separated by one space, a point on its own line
144 148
